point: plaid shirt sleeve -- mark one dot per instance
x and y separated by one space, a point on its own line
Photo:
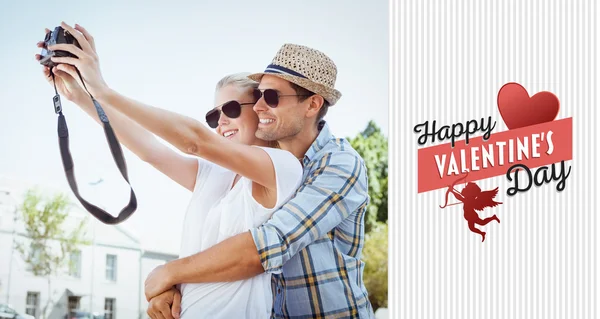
335 187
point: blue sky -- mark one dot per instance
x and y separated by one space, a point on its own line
171 55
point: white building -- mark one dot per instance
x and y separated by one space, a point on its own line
107 276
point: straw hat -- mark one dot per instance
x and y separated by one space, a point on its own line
306 67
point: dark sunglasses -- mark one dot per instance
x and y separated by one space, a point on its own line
232 109
271 96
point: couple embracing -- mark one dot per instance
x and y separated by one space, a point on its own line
275 224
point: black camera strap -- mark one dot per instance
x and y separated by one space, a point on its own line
67 160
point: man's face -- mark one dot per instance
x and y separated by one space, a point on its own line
287 119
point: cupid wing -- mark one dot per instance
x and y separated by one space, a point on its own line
486 199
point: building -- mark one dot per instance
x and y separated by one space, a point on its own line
105 277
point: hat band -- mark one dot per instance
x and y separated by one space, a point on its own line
273 68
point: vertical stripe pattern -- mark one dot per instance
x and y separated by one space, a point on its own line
448 60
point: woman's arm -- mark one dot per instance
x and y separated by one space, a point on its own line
193 138
145 145
185 133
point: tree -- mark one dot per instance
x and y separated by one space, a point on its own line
372 145
375 255
49 242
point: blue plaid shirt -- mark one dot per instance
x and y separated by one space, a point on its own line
313 244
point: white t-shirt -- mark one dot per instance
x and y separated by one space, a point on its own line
217 212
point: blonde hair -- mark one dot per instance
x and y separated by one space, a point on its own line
239 80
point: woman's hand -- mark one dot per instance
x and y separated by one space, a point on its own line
87 61
67 83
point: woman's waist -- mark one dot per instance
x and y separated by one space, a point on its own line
193 292
215 297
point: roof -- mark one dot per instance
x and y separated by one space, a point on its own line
159 255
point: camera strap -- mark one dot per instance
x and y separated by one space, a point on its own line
67 160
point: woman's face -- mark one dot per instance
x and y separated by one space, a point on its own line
243 128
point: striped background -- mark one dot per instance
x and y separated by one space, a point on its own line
448 59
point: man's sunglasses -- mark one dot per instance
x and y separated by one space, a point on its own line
271 96
232 109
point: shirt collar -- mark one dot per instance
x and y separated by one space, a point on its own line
322 139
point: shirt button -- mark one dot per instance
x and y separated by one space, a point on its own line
278 290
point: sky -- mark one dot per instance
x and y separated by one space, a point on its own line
171 55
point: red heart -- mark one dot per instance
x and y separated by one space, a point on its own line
519 110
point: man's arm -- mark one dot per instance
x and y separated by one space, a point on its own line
335 190
233 259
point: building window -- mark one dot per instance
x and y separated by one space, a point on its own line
111 267
32 303
75 264
109 308
74 302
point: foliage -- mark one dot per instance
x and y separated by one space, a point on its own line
372 145
48 242
375 255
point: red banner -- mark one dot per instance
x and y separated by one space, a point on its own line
533 146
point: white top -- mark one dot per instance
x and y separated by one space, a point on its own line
217 212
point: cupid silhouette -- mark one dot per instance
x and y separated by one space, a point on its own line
473 200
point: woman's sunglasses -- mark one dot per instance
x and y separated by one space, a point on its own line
271 96
232 109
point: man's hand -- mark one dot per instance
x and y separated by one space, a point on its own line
158 281
166 305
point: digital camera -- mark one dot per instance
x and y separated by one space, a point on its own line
59 35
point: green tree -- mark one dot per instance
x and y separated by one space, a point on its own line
49 242
375 255
372 145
